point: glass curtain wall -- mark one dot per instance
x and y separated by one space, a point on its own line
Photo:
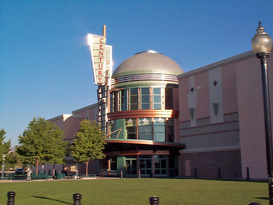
156 129
150 98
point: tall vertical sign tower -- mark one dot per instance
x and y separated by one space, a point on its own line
101 56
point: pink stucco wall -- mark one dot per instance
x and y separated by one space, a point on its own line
201 79
229 88
242 94
184 113
250 104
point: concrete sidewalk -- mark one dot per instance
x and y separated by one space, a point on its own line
50 180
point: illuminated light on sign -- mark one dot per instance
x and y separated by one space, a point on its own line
101 55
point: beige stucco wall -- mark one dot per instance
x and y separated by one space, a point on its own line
70 123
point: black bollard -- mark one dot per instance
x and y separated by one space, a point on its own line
77 199
154 200
11 198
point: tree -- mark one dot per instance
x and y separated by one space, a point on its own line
4 146
88 143
11 160
56 154
42 142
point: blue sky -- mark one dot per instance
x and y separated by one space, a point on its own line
45 66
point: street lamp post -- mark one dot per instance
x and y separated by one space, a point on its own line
3 165
262 46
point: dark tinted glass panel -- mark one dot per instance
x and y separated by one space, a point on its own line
145 91
163 171
168 98
142 163
146 99
134 99
134 91
148 163
123 100
113 161
134 107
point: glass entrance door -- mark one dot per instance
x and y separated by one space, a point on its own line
160 165
131 166
145 163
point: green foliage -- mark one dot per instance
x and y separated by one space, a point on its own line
4 146
12 159
88 143
42 142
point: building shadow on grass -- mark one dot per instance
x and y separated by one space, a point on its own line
51 199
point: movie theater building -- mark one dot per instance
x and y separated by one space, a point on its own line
163 122
143 126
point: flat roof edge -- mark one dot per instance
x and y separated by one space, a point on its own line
232 59
60 116
86 107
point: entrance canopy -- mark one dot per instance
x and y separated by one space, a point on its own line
122 145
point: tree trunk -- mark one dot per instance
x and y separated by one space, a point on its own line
37 165
86 168
53 174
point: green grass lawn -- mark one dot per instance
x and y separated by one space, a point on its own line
136 192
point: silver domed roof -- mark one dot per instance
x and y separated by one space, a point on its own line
148 61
